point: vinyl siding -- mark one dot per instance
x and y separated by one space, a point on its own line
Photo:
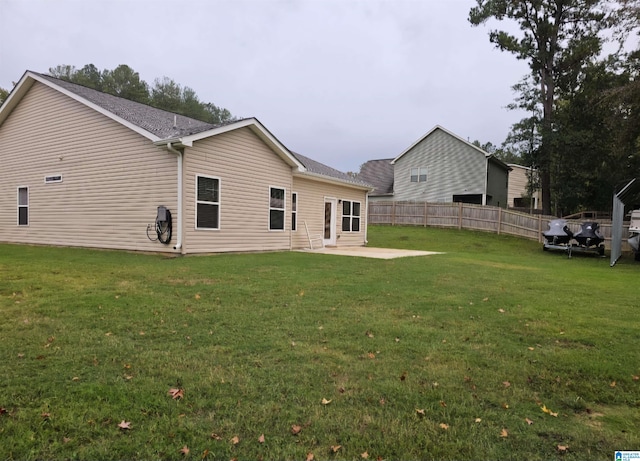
247 167
311 198
452 168
113 178
518 182
497 185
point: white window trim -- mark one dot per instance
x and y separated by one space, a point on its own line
284 210
422 171
351 216
294 212
18 206
219 203
49 179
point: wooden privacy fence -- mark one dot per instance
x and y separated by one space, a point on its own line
474 217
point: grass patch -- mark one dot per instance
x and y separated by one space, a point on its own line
422 358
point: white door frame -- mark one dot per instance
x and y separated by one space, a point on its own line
329 233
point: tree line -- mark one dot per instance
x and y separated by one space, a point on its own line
582 131
126 83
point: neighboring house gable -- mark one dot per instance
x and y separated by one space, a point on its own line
442 167
113 162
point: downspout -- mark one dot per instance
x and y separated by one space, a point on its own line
170 148
366 228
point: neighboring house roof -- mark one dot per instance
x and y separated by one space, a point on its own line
378 173
489 156
163 127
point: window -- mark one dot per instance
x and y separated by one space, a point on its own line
294 211
276 208
350 216
418 175
207 202
23 206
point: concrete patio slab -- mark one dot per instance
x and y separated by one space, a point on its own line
369 252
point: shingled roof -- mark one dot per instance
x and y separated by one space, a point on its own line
161 125
378 173
321 169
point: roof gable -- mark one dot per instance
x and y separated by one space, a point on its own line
163 127
487 155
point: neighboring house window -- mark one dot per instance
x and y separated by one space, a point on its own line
294 211
418 175
207 202
276 208
23 206
350 216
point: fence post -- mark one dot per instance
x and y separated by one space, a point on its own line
426 214
499 219
539 228
459 215
393 213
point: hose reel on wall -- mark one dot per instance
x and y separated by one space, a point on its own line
163 226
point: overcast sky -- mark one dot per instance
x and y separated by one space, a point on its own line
340 81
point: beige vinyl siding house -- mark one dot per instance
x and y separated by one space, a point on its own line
519 187
101 165
82 168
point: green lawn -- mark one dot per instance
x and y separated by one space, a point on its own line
452 356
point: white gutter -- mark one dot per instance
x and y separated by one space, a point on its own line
170 148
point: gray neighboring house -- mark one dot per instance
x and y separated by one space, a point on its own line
439 167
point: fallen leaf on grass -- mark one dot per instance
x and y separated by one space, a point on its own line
636 378
443 404
261 439
531 348
563 448
612 384
420 411
335 448
506 384
295 429
371 355
369 334
502 311
547 411
485 299
478 420
215 436
3 410
310 457
205 453
124 425
66 440
235 440
504 433
444 426
364 455
197 296
326 402
505 406
176 393
184 450
529 422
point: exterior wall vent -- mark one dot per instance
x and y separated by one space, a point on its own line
53 178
